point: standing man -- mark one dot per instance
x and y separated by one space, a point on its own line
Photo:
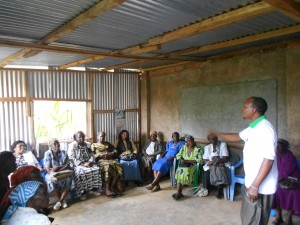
259 162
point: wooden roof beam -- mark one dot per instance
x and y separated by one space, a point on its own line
288 7
88 15
133 50
231 43
51 48
224 19
237 15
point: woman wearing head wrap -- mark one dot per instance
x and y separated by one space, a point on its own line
111 169
87 174
22 174
26 199
162 166
190 154
151 149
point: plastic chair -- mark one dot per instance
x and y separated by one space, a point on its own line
43 174
235 178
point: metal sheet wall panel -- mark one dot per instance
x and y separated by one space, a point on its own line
60 84
12 83
126 87
103 91
105 122
116 91
132 125
14 125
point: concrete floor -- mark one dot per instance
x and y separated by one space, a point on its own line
140 206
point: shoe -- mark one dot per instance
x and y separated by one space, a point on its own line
138 183
177 196
149 187
83 197
277 221
219 196
97 193
156 188
202 192
57 206
64 204
111 195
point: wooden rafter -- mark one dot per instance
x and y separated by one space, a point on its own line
67 28
234 16
51 48
288 7
131 50
239 41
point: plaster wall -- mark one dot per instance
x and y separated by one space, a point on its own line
163 93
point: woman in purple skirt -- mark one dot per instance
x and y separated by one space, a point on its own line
286 199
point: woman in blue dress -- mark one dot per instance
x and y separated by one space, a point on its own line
162 166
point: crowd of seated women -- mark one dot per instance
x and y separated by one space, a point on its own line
86 168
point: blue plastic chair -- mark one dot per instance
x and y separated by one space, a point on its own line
235 178
43 174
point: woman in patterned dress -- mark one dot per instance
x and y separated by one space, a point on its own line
56 160
24 158
87 175
189 155
111 169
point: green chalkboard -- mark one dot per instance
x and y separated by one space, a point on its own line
218 107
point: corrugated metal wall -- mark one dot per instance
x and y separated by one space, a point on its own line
14 124
116 91
60 84
111 91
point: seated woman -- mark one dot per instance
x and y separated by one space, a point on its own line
162 166
20 175
215 154
286 199
151 149
87 175
27 198
7 166
56 160
111 169
189 155
24 158
128 152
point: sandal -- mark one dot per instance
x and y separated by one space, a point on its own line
149 187
156 188
111 195
277 221
177 196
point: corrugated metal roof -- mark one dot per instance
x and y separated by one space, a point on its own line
135 21
131 23
49 59
35 19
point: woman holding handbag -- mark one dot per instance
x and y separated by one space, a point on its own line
128 152
285 198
